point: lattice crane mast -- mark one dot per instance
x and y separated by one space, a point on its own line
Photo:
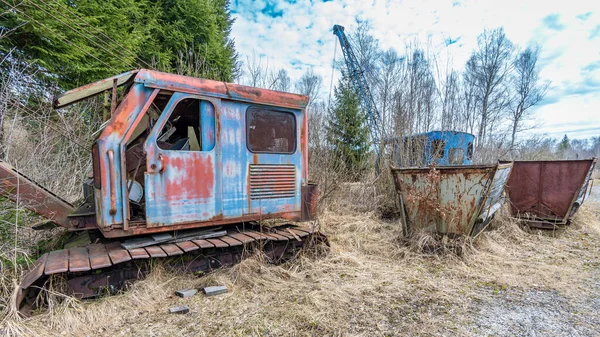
361 87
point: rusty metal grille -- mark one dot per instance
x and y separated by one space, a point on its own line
272 181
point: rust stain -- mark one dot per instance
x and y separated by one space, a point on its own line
547 190
196 182
141 229
444 199
220 89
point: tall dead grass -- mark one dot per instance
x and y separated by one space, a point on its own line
51 147
369 284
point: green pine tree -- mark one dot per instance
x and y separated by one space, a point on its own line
564 144
75 42
347 132
564 147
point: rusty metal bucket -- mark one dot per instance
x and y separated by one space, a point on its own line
548 193
453 200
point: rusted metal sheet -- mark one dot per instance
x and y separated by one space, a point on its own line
548 192
204 244
187 246
138 253
98 256
79 259
92 89
155 251
310 196
30 195
244 239
35 272
171 249
117 254
193 85
453 200
57 262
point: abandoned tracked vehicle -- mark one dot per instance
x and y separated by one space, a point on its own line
185 169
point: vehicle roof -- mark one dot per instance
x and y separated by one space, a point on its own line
187 84
442 132
430 133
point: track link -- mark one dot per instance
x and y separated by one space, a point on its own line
98 269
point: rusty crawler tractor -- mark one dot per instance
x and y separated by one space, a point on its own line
183 168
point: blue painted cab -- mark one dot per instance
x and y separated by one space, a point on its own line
180 152
442 148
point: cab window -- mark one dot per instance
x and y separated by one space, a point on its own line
470 151
455 156
191 127
437 148
270 131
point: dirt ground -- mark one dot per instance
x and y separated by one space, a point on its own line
509 282
546 311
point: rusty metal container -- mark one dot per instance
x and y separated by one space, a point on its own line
548 193
310 196
453 200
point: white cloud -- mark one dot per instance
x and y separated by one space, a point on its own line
299 36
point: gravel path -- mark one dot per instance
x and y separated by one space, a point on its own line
540 312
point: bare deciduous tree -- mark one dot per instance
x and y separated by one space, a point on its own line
487 70
310 85
366 48
420 93
256 70
390 68
279 80
450 101
528 90
469 109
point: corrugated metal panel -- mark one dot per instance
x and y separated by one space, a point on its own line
272 181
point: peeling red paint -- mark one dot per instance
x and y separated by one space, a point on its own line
196 182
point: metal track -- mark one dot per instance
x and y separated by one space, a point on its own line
98 269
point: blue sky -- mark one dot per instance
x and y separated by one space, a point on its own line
297 34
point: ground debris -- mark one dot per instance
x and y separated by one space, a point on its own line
186 292
181 309
214 290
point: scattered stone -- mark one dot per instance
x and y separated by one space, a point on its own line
186 292
182 309
215 290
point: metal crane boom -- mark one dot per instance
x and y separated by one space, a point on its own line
360 84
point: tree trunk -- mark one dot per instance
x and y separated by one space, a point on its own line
514 134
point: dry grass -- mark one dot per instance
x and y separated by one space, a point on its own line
370 284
